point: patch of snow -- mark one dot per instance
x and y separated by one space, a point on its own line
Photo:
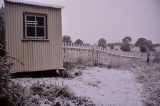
35 3
103 86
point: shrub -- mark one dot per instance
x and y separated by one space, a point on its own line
68 74
5 89
11 94
19 96
37 88
79 61
78 73
68 65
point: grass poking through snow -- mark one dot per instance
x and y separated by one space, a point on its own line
51 95
150 77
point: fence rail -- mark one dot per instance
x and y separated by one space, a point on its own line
99 55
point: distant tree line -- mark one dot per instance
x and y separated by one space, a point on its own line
67 39
126 45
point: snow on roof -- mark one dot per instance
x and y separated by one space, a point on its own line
35 3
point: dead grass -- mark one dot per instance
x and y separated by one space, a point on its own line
150 77
53 95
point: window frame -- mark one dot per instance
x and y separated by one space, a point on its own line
25 14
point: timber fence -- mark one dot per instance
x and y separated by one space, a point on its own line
98 55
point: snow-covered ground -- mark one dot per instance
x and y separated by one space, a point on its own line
105 87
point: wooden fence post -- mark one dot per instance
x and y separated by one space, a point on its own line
95 54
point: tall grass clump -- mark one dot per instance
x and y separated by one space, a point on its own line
150 77
58 95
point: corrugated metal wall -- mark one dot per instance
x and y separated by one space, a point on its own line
35 55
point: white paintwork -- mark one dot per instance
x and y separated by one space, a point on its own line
74 53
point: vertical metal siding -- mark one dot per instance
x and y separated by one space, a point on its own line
36 55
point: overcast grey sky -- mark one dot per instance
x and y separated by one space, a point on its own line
90 20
